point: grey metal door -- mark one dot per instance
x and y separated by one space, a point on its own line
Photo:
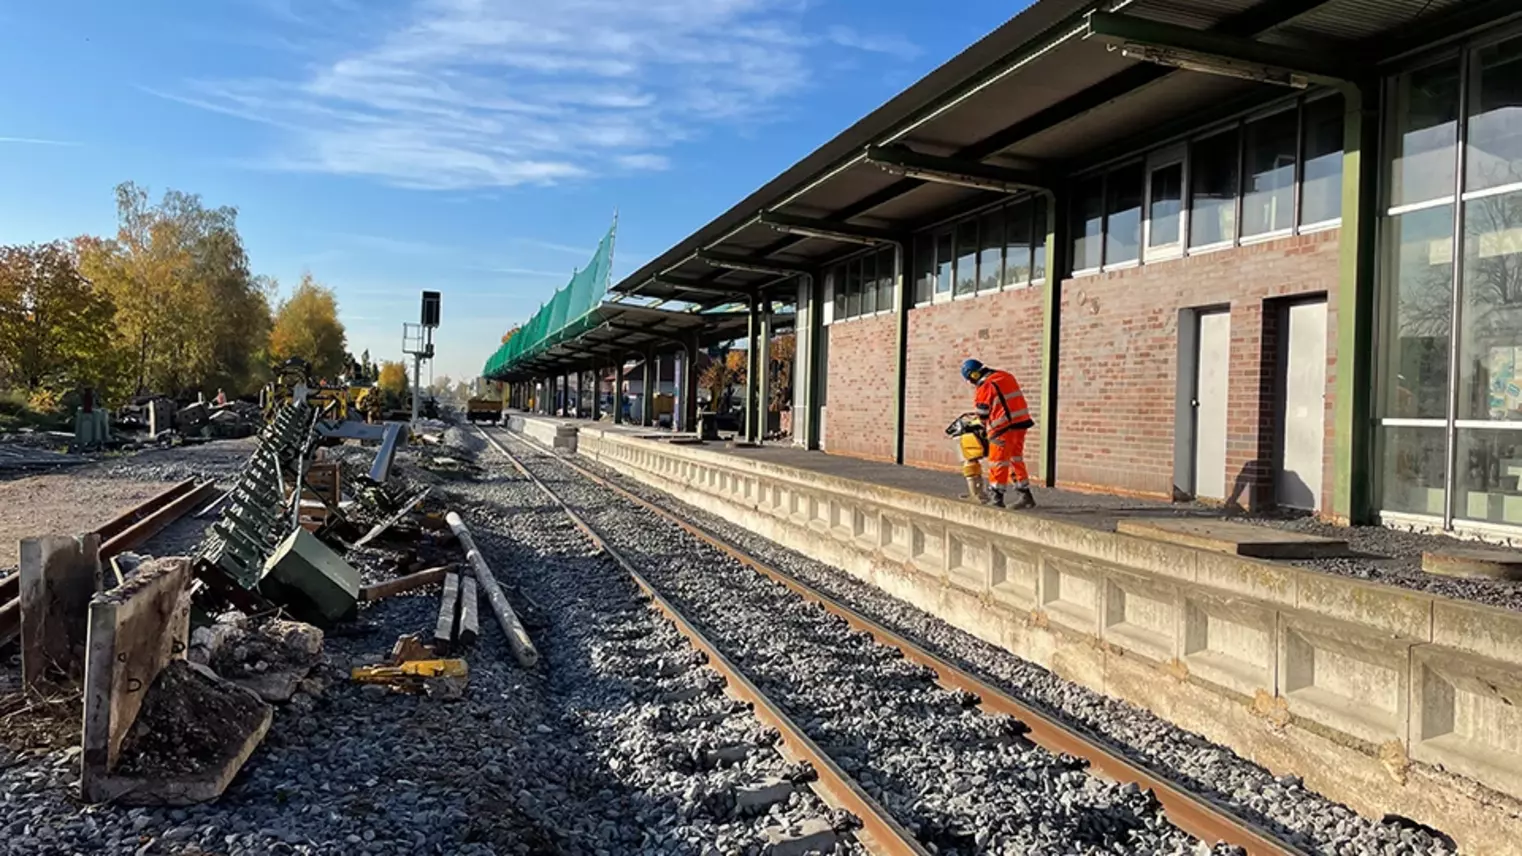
1212 364
1298 479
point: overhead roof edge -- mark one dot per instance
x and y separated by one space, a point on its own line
1040 20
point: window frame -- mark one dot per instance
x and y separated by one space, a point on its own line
1233 239
1176 154
1302 227
1104 222
1078 185
1244 239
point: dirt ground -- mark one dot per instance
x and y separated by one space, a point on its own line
68 503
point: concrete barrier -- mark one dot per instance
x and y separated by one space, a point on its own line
1387 699
558 435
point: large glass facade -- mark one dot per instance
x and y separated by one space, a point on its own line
1451 290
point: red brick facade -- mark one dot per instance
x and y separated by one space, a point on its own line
1118 361
1119 356
859 404
1004 331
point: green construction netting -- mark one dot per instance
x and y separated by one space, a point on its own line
567 315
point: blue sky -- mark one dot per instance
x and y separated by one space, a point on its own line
472 146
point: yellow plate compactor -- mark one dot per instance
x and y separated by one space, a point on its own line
972 440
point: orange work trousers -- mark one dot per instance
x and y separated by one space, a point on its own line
1006 453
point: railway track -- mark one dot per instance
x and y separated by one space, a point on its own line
855 772
128 531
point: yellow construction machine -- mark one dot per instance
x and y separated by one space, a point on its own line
358 399
972 441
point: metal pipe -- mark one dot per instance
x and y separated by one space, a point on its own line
517 637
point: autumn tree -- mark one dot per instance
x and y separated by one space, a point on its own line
723 373
784 351
189 314
393 379
55 326
307 326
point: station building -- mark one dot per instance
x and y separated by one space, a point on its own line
1259 252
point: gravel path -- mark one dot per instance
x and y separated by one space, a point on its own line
1281 802
960 780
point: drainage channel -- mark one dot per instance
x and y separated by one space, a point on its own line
1187 811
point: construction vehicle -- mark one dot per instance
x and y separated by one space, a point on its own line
486 408
972 441
358 399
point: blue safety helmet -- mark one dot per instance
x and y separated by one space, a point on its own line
972 370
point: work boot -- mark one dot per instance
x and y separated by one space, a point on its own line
998 499
1024 499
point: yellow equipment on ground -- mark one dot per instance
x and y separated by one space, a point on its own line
972 441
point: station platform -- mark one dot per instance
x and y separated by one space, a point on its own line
1263 638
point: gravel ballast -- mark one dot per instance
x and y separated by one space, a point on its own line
620 742
1281 803
959 780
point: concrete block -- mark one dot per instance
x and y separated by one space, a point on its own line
1397 610
314 582
1345 677
812 835
1070 593
1230 642
1234 575
1014 575
896 539
58 577
968 561
757 798
1466 716
927 540
1479 629
1140 615
1236 539
1474 563
134 629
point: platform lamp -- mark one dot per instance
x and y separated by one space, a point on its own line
417 340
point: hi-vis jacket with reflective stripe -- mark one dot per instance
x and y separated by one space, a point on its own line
1001 404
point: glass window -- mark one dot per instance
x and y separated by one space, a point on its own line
1415 467
1495 117
887 283
924 269
1268 148
1418 299
836 287
1123 214
1490 344
853 288
1165 207
1488 466
1088 224
991 250
967 257
1213 190
1321 186
943 258
1017 244
1426 130
869 284
1038 243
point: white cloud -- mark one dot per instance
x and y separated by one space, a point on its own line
460 94
34 141
891 44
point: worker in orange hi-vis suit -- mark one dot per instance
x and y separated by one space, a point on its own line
1001 405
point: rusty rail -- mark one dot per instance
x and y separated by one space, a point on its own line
127 531
879 832
1188 811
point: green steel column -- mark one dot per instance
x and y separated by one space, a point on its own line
618 392
810 374
1051 333
652 379
752 348
1352 497
902 261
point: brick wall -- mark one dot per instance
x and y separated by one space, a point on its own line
859 410
1119 359
1004 331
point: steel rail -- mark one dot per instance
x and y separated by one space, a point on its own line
1188 811
879 832
128 530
